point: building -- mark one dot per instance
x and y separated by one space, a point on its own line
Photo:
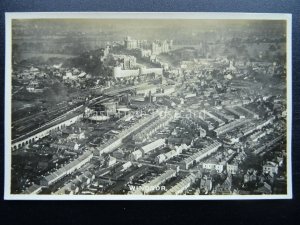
218 112
270 168
160 159
230 126
73 133
257 135
135 155
230 139
116 142
125 166
156 71
125 61
214 165
153 146
119 154
67 169
166 156
129 62
247 112
145 53
248 129
210 115
225 188
232 168
159 47
146 90
251 128
64 144
153 127
265 189
168 90
206 184
268 144
236 113
33 190
130 43
183 185
119 72
70 76
65 120
250 176
186 163
110 107
110 161
34 87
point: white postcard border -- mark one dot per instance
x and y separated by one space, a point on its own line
142 15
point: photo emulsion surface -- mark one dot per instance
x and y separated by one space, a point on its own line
133 107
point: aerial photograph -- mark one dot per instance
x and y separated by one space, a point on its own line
139 107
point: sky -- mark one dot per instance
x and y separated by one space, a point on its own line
147 28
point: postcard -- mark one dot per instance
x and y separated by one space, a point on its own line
148 106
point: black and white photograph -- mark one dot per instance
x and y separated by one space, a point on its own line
148 106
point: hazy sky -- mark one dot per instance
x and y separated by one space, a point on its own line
84 24
148 28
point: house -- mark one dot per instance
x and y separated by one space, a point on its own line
214 164
65 145
135 155
250 176
33 189
206 184
232 168
89 175
110 161
225 188
270 168
265 189
119 154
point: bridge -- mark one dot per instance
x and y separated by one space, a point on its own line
58 123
